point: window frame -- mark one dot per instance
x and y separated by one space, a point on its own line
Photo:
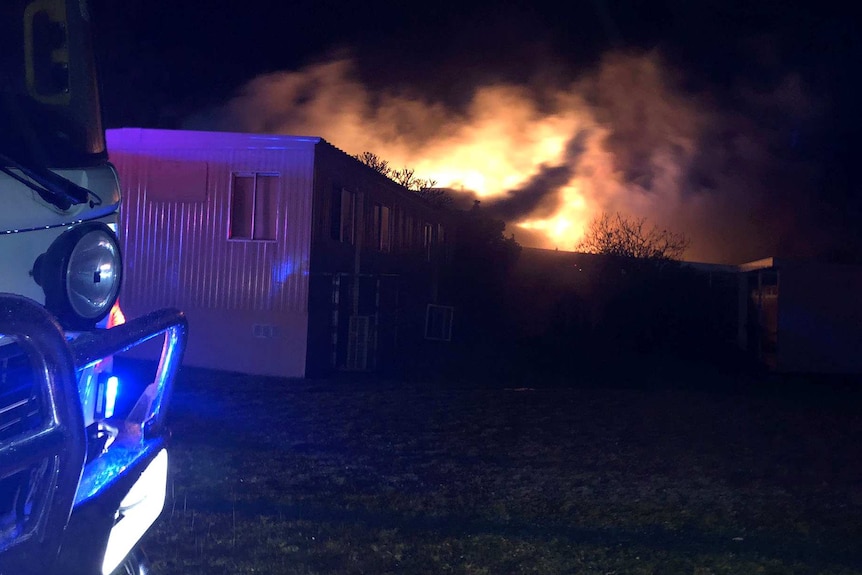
443 318
346 221
427 239
383 227
409 232
255 223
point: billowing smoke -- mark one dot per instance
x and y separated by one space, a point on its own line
539 196
623 136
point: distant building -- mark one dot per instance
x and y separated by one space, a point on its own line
790 316
288 256
801 316
589 292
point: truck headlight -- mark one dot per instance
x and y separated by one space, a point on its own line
80 275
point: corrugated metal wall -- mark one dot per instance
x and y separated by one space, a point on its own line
177 253
390 286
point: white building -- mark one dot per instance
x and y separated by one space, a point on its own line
288 256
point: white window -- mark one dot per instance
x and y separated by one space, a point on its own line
254 206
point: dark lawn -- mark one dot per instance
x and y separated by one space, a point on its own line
655 471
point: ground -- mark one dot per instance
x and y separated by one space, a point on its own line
681 471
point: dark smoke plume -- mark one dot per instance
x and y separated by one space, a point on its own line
540 195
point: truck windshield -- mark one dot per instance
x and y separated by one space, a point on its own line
49 105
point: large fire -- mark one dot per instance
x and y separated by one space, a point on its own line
619 138
566 226
503 143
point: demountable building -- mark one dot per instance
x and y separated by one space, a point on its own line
289 256
801 316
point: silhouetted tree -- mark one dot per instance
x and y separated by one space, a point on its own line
424 187
374 162
407 178
627 237
650 301
437 197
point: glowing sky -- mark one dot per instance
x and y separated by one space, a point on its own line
723 121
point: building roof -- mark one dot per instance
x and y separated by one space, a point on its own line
148 138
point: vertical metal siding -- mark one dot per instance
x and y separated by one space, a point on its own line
178 254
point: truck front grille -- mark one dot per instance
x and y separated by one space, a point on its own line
21 496
21 411
20 396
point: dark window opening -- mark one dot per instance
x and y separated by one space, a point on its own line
426 240
438 322
254 207
409 225
383 236
348 217
343 216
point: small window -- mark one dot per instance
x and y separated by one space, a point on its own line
374 231
438 322
384 236
254 207
408 232
346 219
381 230
426 235
426 240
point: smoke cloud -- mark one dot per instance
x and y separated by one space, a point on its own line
539 196
623 136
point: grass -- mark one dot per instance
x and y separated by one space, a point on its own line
642 476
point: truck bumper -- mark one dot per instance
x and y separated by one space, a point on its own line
106 527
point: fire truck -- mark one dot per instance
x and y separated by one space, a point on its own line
83 447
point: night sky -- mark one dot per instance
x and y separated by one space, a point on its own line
734 121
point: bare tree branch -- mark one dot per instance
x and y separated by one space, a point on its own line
375 162
622 236
404 176
435 196
407 178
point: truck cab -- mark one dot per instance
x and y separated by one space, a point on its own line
83 449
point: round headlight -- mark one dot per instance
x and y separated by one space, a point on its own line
93 274
80 275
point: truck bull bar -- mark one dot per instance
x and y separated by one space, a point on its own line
93 346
